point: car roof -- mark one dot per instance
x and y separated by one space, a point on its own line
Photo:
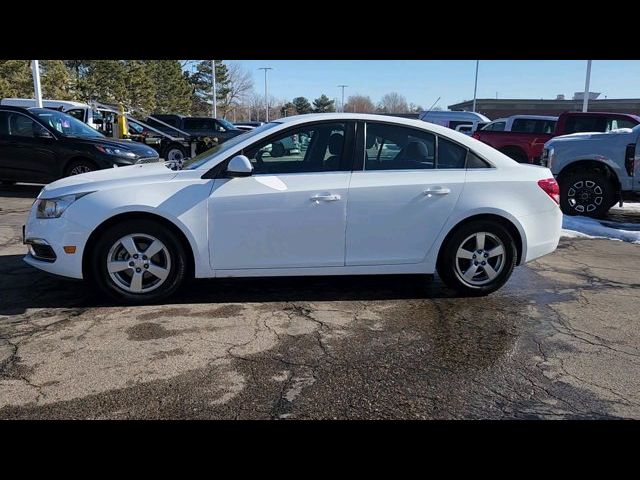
535 117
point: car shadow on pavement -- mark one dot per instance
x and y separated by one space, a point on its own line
20 190
23 287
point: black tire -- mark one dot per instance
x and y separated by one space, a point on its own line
277 150
586 193
79 166
109 240
174 152
450 268
515 154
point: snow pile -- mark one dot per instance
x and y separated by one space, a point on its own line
583 227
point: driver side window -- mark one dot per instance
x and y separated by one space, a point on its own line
309 148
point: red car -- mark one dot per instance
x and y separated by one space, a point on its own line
527 147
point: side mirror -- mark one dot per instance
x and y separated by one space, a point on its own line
239 166
42 133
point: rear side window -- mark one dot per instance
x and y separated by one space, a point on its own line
525 125
394 147
474 161
450 155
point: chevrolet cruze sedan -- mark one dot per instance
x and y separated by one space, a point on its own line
368 195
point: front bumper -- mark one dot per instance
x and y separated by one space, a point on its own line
57 233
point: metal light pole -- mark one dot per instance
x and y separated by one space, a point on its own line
342 104
266 91
585 101
35 68
215 93
475 88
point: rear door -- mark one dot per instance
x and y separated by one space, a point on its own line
400 199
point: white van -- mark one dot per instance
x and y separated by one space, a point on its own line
79 110
453 119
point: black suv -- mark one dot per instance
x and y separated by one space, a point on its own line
198 126
40 145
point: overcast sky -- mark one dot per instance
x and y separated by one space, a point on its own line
423 81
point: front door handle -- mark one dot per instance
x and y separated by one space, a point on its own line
325 198
436 191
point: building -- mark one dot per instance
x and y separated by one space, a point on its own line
496 108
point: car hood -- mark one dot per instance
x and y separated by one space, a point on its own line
590 135
130 176
138 148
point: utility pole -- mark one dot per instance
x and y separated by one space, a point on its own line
475 88
35 68
585 101
266 91
215 94
342 104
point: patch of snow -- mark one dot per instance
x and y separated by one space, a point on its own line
584 227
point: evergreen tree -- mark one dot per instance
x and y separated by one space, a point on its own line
106 81
57 82
16 79
322 104
173 94
202 87
301 105
141 90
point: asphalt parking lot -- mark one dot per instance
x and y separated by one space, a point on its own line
561 340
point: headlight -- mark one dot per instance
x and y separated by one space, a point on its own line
118 152
54 207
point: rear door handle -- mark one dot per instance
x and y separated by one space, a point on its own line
325 198
436 191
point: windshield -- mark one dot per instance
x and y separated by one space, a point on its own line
65 124
204 157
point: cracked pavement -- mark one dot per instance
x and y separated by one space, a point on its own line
561 340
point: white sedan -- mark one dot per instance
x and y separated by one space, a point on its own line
369 195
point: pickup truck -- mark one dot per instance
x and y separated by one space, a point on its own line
595 170
526 147
197 126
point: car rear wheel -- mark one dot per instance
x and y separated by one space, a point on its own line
79 166
586 193
175 153
478 258
138 262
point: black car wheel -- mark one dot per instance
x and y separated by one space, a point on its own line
586 193
478 258
79 166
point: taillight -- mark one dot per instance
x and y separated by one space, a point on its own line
629 159
551 188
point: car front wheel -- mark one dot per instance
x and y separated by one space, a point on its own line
138 262
478 258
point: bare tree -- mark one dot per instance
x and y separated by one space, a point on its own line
393 103
240 86
413 108
359 104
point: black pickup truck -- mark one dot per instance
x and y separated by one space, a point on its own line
214 128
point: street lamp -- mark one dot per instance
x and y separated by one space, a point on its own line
585 100
342 104
35 68
266 91
475 88
213 81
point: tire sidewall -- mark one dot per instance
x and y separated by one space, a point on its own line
102 279
608 195
447 266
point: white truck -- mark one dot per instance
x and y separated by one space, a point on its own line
595 170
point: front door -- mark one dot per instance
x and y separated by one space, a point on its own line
291 212
25 155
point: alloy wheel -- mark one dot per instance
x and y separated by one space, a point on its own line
138 263
480 258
